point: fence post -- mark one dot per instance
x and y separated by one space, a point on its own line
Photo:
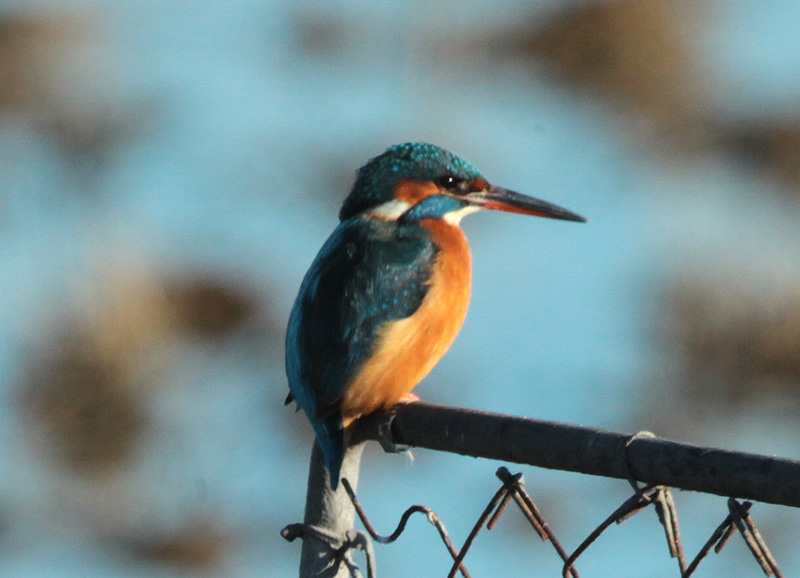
330 512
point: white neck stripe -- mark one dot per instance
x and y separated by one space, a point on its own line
389 211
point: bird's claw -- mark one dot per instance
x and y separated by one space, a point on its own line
385 436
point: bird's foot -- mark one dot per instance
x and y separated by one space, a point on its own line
385 436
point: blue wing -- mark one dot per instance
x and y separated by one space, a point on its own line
368 272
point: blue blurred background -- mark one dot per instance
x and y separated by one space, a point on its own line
168 171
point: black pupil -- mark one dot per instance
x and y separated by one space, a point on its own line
448 182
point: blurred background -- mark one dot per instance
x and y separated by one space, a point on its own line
168 171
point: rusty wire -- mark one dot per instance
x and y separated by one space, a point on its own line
532 513
755 542
661 496
668 516
433 518
513 490
338 543
633 505
738 519
498 498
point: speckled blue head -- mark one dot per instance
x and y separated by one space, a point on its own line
377 180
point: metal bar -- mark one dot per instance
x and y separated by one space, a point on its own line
333 513
590 451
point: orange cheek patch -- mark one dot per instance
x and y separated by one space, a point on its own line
412 192
477 184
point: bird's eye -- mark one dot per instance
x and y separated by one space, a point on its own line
448 182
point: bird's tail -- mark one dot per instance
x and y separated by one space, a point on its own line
330 437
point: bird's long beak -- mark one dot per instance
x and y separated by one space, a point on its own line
501 199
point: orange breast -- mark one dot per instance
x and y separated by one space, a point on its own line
406 350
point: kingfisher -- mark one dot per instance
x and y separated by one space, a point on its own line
388 292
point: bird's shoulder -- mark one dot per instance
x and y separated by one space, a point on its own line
368 253
368 273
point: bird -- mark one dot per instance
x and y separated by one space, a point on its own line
388 291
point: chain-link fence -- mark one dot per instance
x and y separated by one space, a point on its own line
651 465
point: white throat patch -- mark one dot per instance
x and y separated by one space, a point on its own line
455 217
389 211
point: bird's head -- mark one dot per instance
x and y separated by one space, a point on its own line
415 181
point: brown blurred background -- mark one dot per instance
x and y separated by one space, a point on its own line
168 170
